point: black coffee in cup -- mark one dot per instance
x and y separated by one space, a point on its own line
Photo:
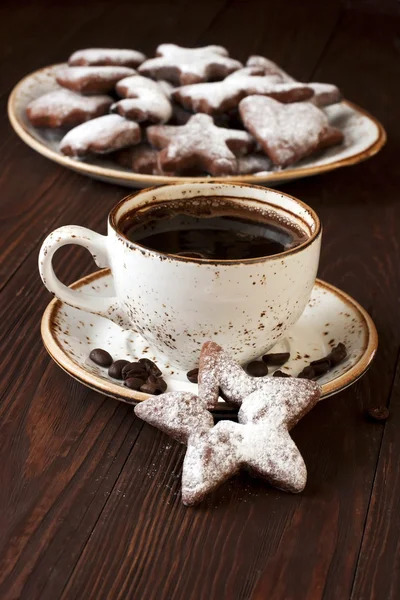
213 229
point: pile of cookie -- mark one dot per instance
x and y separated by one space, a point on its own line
188 111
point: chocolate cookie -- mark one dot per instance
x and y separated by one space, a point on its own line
189 65
221 96
63 108
92 80
287 132
199 145
144 100
98 57
100 136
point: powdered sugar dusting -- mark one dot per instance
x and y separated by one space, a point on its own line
189 64
260 440
177 414
200 142
286 132
60 104
144 99
107 56
219 96
101 135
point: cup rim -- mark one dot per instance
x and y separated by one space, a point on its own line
206 261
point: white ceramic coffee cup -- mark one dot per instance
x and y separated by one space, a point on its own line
177 303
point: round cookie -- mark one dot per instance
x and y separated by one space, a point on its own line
98 57
92 80
100 136
63 108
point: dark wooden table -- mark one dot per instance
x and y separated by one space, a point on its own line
89 496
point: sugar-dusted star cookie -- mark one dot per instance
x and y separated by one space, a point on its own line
287 132
92 80
143 100
267 67
324 93
220 373
96 57
63 108
189 65
220 96
100 136
200 145
260 441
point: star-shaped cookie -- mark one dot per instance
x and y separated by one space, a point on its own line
260 441
143 100
200 144
189 65
220 374
220 96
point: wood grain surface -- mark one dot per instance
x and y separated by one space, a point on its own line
90 496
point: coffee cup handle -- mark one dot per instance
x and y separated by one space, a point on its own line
105 306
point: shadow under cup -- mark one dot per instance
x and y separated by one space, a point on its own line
246 305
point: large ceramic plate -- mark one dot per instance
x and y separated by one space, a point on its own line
330 317
364 137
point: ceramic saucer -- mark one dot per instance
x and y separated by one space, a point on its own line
330 317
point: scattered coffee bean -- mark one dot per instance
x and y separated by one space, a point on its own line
379 413
320 367
150 388
101 357
279 373
193 375
276 359
338 354
134 369
134 383
150 367
159 382
257 368
307 373
115 371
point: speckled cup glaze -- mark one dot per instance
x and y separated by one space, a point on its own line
177 303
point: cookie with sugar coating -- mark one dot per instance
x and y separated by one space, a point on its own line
63 108
99 57
92 80
100 136
287 132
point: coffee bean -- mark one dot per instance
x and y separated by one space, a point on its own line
159 382
134 369
279 373
101 357
338 354
307 373
150 367
193 375
320 367
276 359
379 413
150 388
134 383
257 368
115 371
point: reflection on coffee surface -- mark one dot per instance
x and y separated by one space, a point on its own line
203 228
